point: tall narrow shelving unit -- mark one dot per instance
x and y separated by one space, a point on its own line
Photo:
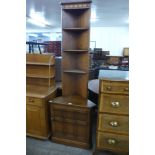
71 113
75 46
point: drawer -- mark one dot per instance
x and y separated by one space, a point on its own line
113 142
116 87
110 103
34 101
69 113
113 123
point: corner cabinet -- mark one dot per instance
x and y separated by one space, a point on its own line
71 113
75 46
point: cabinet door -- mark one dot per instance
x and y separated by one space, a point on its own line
34 120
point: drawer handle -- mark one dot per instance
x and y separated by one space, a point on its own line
69 103
50 101
114 123
108 88
115 104
111 141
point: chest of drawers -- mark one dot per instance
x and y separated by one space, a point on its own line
113 116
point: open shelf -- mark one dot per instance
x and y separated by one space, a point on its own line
40 70
75 40
40 59
75 84
75 51
39 63
47 82
73 61
75 71
39 76
75 17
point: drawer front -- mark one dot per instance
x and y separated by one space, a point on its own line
114 103
69 113
113 123
34 101
112 142
116 87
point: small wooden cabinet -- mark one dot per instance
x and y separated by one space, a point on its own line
37 112
72 121
113 116
40 88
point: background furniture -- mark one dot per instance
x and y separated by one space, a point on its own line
71 113
40 87
53 47
113 116
34 44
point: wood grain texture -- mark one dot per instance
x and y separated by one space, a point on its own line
40 87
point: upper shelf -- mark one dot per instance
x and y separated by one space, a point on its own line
39 76
40 59
39 63
76 29
76 71
76 51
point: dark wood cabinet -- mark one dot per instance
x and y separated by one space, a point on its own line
72 123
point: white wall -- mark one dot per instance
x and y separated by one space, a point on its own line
112 39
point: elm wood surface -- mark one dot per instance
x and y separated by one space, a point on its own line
41 59
81 61
48 82
75 29
75 84
75 39
113 116
75 1
71 121
71 113
40 69
76 51
37 111
40 87
75 18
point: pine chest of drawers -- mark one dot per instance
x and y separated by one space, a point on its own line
113 116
